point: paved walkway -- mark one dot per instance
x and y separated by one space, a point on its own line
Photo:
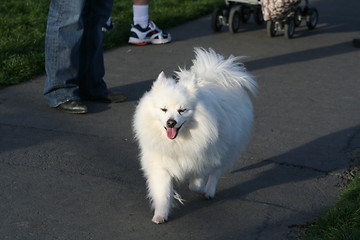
77 177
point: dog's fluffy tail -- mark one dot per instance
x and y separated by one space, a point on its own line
210 67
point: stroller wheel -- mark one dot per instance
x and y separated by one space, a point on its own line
289 28
271 28
298 16
312 18
217 20
234 20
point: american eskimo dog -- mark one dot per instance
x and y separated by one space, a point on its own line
193 127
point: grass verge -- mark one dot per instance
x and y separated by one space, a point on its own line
23 25
341 222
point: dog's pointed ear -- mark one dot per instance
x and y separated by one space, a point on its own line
190 83
161 76
162 80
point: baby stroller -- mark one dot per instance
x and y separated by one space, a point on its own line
280 15
285 15
236 11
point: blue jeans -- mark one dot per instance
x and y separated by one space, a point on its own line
74 61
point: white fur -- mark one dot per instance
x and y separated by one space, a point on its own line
215 116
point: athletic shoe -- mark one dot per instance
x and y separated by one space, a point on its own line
109 25
151 34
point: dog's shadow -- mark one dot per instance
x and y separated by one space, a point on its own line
278 170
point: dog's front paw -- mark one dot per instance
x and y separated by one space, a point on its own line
158 219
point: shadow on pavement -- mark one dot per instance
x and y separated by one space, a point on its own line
302 56
247 181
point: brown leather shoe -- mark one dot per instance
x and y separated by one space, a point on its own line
111 97
73 106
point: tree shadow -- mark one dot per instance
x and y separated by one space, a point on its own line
301 56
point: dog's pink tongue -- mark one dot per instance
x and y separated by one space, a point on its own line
171 132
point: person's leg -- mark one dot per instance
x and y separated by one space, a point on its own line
140 2
63 36
109 25
141 13
92 70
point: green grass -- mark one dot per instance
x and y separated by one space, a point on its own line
23 24
341 222
22 39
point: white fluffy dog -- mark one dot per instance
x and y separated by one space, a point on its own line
193 127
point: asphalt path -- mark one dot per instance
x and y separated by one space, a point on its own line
66 176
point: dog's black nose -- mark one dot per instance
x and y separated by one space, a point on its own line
171 123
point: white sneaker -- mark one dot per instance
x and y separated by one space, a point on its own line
109 25
151 34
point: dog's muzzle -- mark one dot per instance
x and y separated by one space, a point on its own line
171 123
170 128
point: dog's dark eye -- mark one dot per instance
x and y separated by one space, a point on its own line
180 111
163 109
